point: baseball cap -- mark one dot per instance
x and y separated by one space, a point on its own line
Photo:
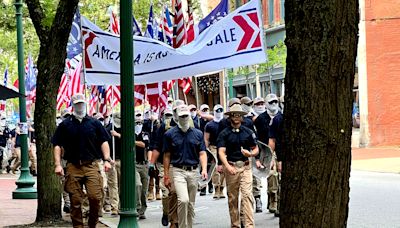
168 111
258 100
216 107
182 110
192 106
78 98
246 100
233 101
271 97
177 103
138 116
204 106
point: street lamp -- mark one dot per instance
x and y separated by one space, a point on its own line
25 189
128 214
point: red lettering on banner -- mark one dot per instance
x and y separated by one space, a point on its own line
254 18
248 32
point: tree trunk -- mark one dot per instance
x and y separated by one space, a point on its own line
51 63
321 39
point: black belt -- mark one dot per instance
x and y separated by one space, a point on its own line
83 162
186 167
141 163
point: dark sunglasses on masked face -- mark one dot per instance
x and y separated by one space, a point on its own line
273 102
219 110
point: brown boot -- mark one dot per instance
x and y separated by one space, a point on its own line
216 192
150 196
221 192
158 196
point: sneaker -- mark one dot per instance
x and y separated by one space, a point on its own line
67 209
8 168
258 205
273 207
164 220
158 196
114 212
142 216
203 191
210 188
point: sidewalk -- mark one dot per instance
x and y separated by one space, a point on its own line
376 159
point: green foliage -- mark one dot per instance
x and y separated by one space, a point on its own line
276 57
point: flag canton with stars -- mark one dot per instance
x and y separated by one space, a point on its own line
218 13
30 75
74 46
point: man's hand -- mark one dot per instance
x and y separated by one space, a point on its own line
231 169
246 153
167 182
220 169
107 166
259 165
204 175
279 166
59 170
115 134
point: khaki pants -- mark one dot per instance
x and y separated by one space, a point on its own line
186 184
17 162
169 197
32 156
112 182
89 176
240 182
142 177
217 178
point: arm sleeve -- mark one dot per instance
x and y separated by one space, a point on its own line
102 133
57 139
202 146
166 143
221 140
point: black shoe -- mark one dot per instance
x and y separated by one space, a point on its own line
164 220
276 214
203 191
142 216
8 168
258 205
210 187
66 209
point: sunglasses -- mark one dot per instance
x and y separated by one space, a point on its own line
249 104
272 102
236 115
138 123
193 110
101 119
168 115
259 104
234 104
219 110
205 110
184 116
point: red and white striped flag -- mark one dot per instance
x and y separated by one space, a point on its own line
114 22
185 84
94 97
113 95
75 85
179 38
153 94
139 94
190 34
62 91
102 100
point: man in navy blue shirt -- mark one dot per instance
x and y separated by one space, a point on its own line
184 148
84 141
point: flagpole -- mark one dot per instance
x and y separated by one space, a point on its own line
83 54
197 92
112 125
184 95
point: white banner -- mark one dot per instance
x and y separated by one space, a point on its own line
236 40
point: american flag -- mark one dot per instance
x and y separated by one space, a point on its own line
62 91
113 95
220 11
150 24
102 100
114 22
190 24
136 28
165 32
3 102
153 94
139 94
179 38
94 97
75 85
30 85
74 45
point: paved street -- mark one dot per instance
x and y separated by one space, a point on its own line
374 198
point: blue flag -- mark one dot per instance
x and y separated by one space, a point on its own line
136 28
150 25
74 46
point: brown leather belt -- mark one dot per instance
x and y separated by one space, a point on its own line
185 167
239 163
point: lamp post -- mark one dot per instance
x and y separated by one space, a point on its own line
128 212
25 182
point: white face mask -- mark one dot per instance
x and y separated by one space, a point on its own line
246 108
138 128
206 113
3 123
273 108
183 123
218 116
193 114
259 109
79 110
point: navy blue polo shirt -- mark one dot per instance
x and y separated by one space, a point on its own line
184 147
203 123
262 126
233 141
247 122
212 128
81 140
276 132
157 139
196 122
141 152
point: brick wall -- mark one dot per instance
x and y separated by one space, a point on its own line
383 70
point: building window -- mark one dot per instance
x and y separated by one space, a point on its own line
283 10
271 12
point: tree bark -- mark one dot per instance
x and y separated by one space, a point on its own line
51 63
321 40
